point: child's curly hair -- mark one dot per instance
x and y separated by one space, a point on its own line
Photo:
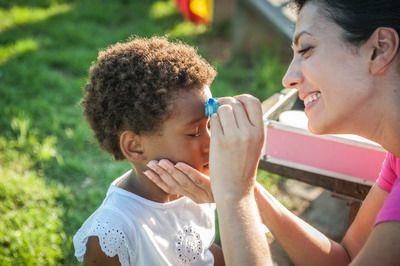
133 84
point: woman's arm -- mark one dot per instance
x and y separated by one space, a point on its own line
237 136
305 244
293 233
363 225
382 247
243 240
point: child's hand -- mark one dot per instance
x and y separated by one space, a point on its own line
180 179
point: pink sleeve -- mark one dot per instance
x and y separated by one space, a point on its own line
391 208
387 176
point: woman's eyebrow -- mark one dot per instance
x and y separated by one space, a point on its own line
298 35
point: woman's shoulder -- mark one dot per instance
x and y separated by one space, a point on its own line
396 164
392 162
389 173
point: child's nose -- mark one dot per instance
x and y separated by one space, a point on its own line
206 142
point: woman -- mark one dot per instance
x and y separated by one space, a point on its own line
346 67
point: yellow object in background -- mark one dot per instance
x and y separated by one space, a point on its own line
202 8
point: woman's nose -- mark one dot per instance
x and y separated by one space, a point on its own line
293 76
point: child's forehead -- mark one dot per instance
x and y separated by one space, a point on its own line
194 97
189 105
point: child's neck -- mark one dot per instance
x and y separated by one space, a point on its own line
140 185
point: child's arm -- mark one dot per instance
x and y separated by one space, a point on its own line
95 256
218 255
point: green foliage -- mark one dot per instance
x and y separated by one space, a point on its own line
31 230
17 16
258 74
52 173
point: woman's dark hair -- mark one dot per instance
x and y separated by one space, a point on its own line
359 18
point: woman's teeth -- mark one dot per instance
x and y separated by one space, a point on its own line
311 98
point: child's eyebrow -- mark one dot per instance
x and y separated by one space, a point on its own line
194 121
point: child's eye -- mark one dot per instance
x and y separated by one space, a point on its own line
196 134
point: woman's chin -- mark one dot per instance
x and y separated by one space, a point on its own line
316 129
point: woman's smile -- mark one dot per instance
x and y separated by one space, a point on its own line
311 100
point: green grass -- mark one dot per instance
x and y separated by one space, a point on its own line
52 174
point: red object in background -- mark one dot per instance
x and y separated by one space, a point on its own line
197 11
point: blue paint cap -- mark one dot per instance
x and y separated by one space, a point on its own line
211 106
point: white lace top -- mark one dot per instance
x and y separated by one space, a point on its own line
143 232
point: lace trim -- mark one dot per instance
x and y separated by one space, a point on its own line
112 241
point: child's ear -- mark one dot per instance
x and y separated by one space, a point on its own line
131 146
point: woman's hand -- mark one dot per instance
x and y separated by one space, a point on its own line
237 137
180 179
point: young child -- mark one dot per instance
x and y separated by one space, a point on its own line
145 101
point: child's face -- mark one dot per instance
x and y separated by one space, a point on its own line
185 136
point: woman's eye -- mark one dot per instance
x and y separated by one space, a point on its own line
304 51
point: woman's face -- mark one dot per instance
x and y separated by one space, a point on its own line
332 76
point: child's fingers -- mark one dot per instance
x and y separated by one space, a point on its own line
183 180
157 180
187 186
199 179
202 181
173 186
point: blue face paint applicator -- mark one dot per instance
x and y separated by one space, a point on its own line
211 106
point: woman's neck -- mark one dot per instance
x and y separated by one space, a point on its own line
389 134
140 185
383 121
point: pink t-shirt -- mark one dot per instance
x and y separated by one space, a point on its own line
389 180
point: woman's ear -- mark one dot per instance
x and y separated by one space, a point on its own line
385 46
131 146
